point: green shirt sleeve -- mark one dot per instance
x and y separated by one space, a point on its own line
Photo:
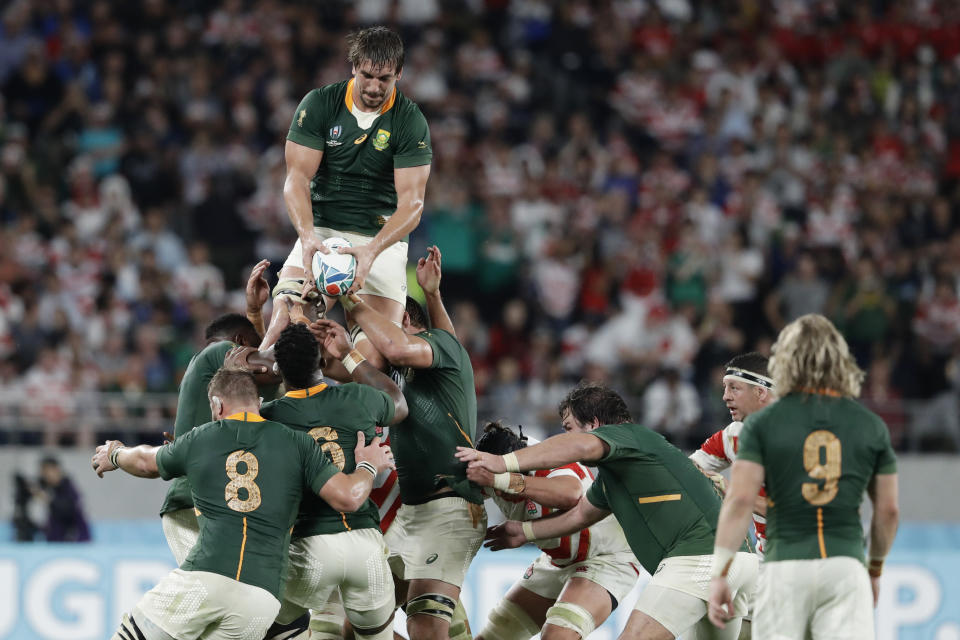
887 459
317 468
413 147
750 442
597 494
446 349
380 405
309 122
618 437
172 458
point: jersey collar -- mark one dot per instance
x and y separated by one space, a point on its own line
245 416
348 99
306 393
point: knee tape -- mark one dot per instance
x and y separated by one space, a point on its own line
508 621
290 630
290 288
327 623
431 604
460 625
571 616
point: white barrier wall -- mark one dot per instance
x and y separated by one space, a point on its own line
80 591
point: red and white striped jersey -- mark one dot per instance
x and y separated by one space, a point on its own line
605 537
716 454
387 497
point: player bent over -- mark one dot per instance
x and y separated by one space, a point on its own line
816 450
248 475
579 579
358 158
332 550
667 508
439 528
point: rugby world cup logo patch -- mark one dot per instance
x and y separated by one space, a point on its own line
335 132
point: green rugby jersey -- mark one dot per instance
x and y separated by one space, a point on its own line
443 414
353 189
332 416
665 506
248 477
193 409
818 452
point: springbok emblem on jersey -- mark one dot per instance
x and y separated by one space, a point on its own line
303 114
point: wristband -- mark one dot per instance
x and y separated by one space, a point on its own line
368 467
722 559
512 483
528 530
511 462
352 360
113 456
348 302
875 567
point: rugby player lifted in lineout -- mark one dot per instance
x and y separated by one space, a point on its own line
358 158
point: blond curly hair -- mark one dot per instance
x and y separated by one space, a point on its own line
811 355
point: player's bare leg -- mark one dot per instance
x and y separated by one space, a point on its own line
519 616
583 605
640 626
388 307
430 595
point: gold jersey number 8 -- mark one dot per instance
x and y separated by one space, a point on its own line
243 480
826 471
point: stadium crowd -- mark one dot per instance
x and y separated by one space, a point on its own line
630 191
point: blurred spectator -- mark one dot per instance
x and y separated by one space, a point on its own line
802 291
672 407
65 519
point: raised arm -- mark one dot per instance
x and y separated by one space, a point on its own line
411 185
397 346
302 165
551 453
257 292
138 461
337 343
884 493
428 277
512 534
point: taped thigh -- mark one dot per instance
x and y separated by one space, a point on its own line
508 621
571 616
373 624
431 604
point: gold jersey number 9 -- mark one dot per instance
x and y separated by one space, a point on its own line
821 459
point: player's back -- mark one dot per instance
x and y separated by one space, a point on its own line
248 476
819 452
443 415
332 416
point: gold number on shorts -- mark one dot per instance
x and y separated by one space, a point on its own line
243 481
334 450
827 472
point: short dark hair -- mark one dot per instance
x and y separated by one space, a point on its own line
233 384
227 326
589 400
418 317
380 45
753 362
296 353
499 439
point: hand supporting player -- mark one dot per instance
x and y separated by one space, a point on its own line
720 604
333 337
480 476
481 460
379 455
428 271
258 289
101 459
508 535
364 255
247 359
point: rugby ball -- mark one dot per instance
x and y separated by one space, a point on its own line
334 272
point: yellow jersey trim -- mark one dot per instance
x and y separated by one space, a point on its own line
823 546
348 99
243 546
667 497
246 416
306 393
